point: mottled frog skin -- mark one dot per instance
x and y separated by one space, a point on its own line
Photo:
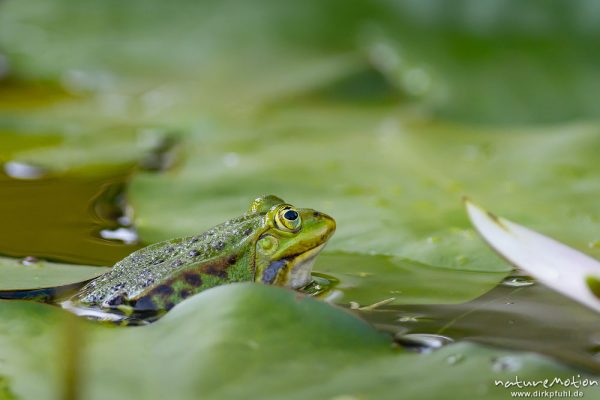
273 243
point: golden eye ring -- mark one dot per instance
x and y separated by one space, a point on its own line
288 219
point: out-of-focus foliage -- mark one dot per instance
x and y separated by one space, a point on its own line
331 116
295 349
393 187
494 61
363 110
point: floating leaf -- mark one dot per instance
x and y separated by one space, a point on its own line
368 279
296 348
394 188
32 273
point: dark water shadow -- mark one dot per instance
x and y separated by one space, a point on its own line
532 318
68 217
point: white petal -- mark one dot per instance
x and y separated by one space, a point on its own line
552 263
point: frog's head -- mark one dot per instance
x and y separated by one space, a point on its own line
286 250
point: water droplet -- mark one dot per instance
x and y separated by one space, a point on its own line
126 235
595 338
461 260
417 81
433 239
159 100
231 160
124 220
30 260
384 56
20 170
408 318
423 342
454 359
253 344
594 245
518 281
505 364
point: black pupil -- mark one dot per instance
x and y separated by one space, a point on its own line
290 215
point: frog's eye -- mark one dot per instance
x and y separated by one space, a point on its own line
288 219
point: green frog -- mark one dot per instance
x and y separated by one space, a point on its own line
273 243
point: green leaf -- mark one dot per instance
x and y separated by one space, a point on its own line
467 61
32 274
394 188
368 279
296 348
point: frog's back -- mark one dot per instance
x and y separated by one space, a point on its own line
177 267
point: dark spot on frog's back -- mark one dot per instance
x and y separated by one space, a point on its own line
163 290
185 293
215 270
192 279
219 267
316 214
144 304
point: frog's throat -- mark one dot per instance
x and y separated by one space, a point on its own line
297 267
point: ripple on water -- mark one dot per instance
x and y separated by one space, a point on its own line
422 342
64 217
518 281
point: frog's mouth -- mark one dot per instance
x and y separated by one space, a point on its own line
300 268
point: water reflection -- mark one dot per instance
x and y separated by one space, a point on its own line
531 318
62 217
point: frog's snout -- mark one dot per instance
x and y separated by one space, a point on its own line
326 225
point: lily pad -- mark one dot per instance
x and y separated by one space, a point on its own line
297 348
369 279
394 188
240 91
463 61
33 274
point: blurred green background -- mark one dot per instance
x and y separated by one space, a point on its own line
127 123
